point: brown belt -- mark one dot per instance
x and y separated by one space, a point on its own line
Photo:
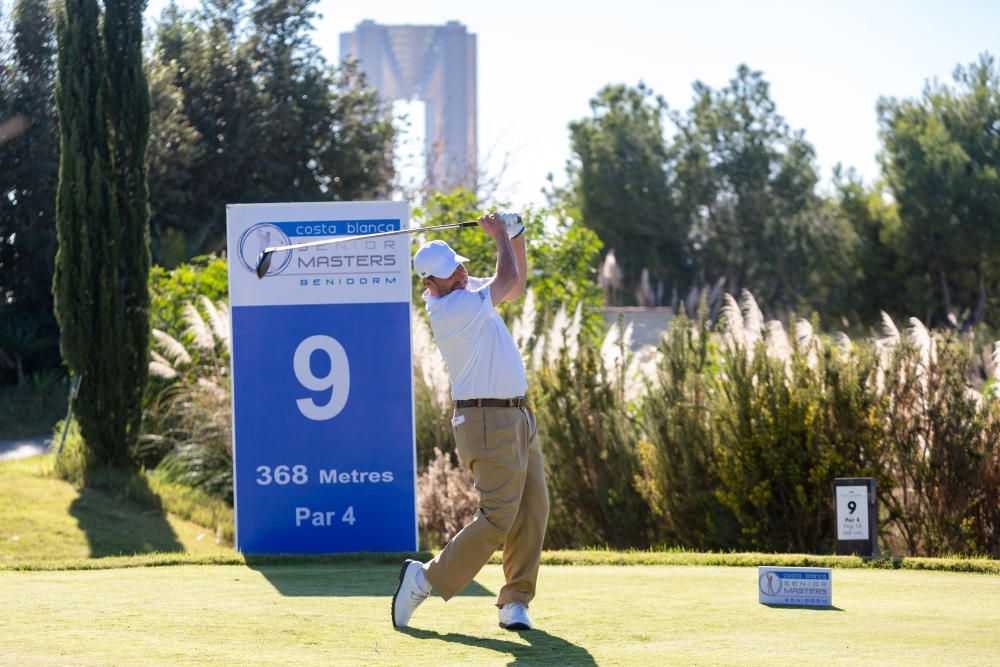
518 402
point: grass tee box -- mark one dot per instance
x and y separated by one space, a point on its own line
338 614
806 586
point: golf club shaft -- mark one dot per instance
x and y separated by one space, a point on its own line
410 230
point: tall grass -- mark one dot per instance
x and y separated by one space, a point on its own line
679 476
744 425
726 435
446 498
941 450
432 393
589 443
188 420
789 417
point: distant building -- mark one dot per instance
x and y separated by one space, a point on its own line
437 65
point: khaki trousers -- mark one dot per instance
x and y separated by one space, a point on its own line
500 446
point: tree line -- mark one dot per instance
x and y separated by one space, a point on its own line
247 110
728 190
242 108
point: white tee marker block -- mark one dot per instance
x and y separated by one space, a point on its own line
800 586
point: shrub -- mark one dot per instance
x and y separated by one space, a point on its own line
188 423
780 441
679 475
431 393
745 430
170 290
942 448
447 500
589 442
720 438
71 461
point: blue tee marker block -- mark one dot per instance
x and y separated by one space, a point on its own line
799 586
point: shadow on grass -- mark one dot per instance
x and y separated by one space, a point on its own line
542 648
341 580
115 525
807 607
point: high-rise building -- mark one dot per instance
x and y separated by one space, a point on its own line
436 65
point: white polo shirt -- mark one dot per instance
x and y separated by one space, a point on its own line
478 350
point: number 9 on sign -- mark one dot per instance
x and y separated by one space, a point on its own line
337 381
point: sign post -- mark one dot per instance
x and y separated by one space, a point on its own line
323 429
857 516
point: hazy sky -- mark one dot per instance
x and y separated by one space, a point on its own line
540 63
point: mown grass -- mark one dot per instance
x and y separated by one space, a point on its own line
598 614
171 594
49 524
146 487
46 519
581 558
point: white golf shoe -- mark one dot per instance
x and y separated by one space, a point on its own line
514 616
408 594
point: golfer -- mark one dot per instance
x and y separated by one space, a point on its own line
495 433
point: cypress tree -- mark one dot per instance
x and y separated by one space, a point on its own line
102 263
128 116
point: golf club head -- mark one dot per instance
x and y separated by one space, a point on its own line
263 263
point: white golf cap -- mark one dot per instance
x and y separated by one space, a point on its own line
436 258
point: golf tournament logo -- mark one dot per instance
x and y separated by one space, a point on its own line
770 584
253 242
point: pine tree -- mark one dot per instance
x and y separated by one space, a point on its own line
295 92
213 81
253 113
102 264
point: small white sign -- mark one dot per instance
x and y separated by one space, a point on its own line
852 513
801 586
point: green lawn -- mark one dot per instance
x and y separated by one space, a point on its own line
46 518
339 614
86 577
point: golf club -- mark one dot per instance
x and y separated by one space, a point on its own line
264 259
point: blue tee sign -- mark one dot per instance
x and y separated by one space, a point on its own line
323 437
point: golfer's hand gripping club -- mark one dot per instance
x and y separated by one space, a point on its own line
515 227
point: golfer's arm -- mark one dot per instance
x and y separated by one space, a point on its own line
521 256
506 277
